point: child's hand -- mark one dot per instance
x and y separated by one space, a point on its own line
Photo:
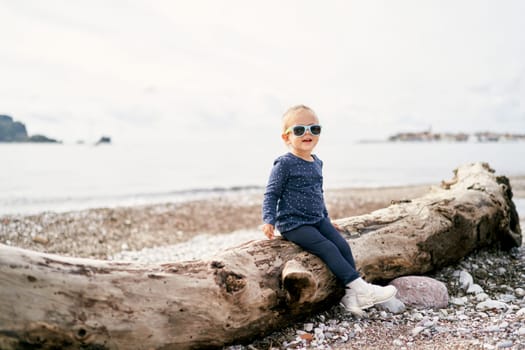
268 230
337 227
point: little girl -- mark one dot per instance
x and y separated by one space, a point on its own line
294 204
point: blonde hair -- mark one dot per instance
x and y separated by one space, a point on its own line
293 111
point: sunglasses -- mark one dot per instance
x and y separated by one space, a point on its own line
300 130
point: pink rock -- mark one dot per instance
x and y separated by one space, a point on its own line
420 291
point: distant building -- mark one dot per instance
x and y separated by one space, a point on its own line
428 136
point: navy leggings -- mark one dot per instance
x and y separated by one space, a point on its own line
324 241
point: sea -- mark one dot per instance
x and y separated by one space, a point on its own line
64 177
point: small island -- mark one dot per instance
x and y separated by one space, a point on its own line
14 131
103 140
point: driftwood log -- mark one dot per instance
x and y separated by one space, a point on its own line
53 302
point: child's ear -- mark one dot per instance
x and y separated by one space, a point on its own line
285 137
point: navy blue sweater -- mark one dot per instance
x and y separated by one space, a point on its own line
294 193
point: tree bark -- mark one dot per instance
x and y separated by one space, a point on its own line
48 301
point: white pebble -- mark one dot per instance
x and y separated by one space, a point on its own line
474 289
491 305
482 297
393 305
397 342
465 279
459 301
504 344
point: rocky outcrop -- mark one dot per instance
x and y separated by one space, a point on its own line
11 131
104 140
40 139
14 131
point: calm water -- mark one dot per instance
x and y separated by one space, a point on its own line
36 178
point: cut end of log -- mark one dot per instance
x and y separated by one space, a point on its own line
299 282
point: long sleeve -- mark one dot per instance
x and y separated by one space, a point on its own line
325 210
273 193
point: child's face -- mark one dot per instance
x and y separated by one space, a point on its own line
301 145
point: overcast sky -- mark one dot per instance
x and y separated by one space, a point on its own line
175 69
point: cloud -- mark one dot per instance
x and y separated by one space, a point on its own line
367 68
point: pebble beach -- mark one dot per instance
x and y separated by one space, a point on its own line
489 316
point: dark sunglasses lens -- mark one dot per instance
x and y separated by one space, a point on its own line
315 129
299 130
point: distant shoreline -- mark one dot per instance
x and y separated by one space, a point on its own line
239 193
372 141
482 136
460 137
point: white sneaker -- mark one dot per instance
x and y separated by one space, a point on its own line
374 295
367 295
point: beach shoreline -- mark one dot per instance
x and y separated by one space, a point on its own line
101 233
